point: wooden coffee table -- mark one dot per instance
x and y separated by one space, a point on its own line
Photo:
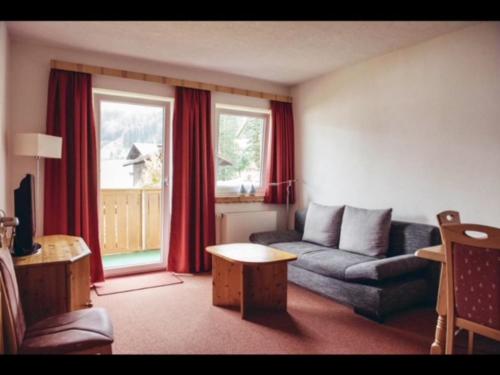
249 276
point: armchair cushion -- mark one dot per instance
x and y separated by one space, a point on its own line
268 238
69 332
11 296
386 268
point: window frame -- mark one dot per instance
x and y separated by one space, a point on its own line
265 115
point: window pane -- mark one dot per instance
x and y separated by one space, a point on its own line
131 160
239 154
131 144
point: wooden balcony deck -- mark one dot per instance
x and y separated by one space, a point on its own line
130 220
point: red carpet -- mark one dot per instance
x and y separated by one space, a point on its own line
182 320
135 282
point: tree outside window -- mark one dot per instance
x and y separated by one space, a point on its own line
239 150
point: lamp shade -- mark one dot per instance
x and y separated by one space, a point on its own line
37 144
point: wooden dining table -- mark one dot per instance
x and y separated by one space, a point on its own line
436 253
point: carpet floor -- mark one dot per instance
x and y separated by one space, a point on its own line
180 319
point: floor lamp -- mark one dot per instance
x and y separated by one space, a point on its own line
288 187
39 146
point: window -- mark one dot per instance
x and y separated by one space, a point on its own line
240 149
131 145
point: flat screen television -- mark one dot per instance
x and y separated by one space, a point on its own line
24 208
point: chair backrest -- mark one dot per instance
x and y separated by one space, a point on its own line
448 217
473 269
13 315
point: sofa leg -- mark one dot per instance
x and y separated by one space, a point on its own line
369 314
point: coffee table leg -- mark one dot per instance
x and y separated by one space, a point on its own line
226 286
244 286
263 286
439 343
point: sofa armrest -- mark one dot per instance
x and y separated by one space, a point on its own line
267 238
386 268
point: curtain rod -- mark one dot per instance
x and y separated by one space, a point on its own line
83 68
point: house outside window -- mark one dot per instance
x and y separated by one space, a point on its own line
241 139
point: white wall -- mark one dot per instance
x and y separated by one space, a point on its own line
4 56
417 130
29 74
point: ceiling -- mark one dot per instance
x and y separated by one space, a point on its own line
283 52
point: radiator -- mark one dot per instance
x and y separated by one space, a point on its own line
237 226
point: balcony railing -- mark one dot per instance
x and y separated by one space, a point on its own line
130 220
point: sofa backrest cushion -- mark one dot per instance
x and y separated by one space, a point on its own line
406 237
322 225
300 220
365 231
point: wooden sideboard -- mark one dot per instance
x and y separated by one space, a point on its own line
56 279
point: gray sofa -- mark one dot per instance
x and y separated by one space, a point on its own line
374 286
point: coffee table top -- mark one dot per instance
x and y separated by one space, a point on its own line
250 253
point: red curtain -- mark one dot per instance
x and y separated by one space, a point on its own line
281 163
70 193
193 190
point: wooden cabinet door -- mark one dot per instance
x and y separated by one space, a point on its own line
43 290
79 284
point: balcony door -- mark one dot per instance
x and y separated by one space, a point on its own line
134 136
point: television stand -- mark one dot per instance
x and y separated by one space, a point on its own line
55 280
34 250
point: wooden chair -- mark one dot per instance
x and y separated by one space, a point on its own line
473 283
83 331
448 217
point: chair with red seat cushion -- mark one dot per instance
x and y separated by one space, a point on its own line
82 331
473 283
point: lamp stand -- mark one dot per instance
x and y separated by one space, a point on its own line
288 187
37 189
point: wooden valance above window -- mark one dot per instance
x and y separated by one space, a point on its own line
91 69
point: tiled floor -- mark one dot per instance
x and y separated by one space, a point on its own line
132 259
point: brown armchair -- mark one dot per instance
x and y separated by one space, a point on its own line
87 331
473 283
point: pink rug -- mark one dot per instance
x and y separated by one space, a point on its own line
136 282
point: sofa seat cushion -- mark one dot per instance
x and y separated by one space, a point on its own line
69 332
386 268
330 262
297 247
